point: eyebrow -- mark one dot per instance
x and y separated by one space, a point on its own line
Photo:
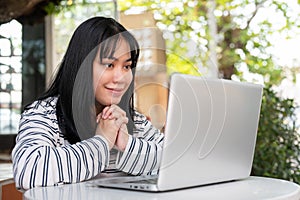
114 58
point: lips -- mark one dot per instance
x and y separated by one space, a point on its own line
115 91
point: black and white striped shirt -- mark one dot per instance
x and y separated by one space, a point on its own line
42 157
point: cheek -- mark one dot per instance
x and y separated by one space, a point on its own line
128 78
98 76
99 81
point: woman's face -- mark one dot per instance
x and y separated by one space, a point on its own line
112 76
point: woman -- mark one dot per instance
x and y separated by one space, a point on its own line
66 136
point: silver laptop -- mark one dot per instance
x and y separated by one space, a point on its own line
210 135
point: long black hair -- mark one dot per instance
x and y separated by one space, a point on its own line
73 82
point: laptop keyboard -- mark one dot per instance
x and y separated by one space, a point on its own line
145 181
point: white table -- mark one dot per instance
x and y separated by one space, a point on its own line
252 188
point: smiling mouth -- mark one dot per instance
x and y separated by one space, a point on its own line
116 91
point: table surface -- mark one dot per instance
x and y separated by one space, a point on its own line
250 188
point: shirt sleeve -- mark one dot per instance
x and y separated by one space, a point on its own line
143 151
39 160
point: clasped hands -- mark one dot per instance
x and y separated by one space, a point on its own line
111 124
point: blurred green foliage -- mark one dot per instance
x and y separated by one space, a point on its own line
277 147
244 35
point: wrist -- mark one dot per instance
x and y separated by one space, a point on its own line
107 141
122 142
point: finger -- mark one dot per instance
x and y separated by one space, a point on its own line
116 108
115 116
123 128
114 111
120 121
109 110
106 112
119 113
98 117
112 115
122 138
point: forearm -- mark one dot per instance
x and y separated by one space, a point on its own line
40 165
141 157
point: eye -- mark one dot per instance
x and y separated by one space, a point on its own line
108 65
127 67
107 62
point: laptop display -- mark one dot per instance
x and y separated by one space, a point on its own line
210 135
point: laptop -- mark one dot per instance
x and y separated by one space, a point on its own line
210 135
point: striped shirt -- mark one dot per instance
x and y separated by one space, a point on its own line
42 157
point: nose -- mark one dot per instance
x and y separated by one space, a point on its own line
117 74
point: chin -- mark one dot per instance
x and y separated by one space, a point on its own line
113 101
109 100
